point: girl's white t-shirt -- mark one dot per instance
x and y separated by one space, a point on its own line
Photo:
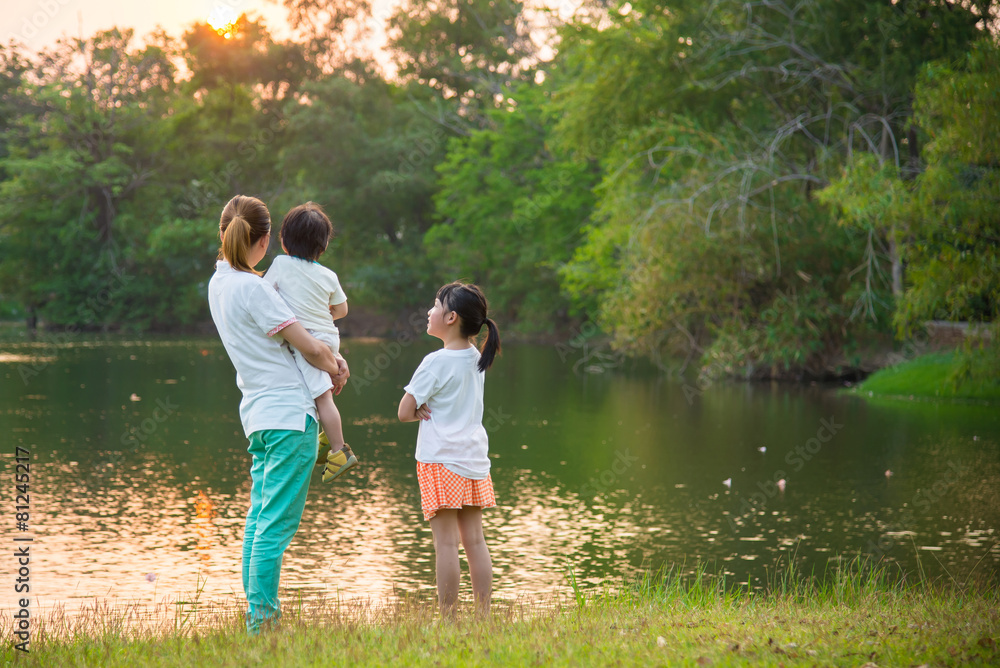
451 385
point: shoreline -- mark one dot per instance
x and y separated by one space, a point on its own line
927 378
864 612
878 357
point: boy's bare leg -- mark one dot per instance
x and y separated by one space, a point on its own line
330 417
444 526
470 526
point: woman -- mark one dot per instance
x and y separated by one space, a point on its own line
277 412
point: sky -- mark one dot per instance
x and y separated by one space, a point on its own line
39 23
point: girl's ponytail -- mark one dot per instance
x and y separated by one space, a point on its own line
244 222
491 346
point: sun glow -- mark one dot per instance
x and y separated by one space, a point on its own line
223 20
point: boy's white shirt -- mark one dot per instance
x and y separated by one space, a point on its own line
451 385
309 288
249 314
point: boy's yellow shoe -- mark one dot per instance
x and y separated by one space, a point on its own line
338 462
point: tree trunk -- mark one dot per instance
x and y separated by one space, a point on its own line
897 264
32 321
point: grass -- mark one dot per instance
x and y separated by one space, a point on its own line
927 376
858 615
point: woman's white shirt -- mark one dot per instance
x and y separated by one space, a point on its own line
451 385
249 314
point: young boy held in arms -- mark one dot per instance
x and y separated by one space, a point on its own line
315 296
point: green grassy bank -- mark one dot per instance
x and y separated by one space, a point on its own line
928 377
847 620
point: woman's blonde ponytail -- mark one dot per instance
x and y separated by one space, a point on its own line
236 244
244 222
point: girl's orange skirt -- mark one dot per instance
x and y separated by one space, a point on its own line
441 488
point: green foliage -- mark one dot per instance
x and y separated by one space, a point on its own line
615 72
471 50
946 218
85 149
511 212
367 154
708 238
954 249
669 174
874 202
954 252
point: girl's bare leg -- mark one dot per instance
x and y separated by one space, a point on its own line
444 526
470 527
330 417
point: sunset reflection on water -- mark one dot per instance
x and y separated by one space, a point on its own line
138 536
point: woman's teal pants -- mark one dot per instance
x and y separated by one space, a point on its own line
283 461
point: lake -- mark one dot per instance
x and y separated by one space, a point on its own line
139 476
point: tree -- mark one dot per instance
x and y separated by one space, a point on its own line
245 55
510 212
708 208
952 247
90 146
367 154
470 50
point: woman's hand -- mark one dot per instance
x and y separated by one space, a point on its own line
316 352
340 379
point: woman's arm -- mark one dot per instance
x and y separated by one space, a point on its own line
318 354
408 411
338 311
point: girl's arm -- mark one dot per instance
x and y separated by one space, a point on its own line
318 354
338 311
408 411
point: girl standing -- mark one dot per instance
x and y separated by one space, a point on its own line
453 466
277 411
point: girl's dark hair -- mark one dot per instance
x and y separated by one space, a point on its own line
245 221
469 302
306 230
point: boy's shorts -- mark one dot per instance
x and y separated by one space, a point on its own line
317 380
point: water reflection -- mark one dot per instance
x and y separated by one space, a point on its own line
140 485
